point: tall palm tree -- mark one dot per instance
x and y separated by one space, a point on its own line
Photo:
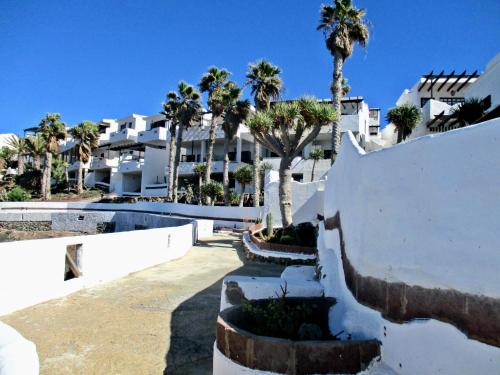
316 154
19 146
404 117
170 108
188 111
212 82
86 137
343 26
244 176
263 78
36 148
52 130
236 112
468 112
286 129
199 170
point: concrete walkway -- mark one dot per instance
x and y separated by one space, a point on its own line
157 321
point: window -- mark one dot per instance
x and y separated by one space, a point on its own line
423 101
297 177
158 124
452 101
123 126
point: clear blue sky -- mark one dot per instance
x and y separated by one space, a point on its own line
98 59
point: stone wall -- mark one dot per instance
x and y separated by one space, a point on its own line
26 226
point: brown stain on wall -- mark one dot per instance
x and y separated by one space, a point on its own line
475 315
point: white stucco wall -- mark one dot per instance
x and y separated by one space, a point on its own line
307 199
422 213
18 356
487 84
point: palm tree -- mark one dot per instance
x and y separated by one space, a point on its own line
188 107
52 130
236 112
244 176
36 147
469 112
18 145
86 137
404 117
170 111
263 78
285 130
212 82
343 26
316 154
199 170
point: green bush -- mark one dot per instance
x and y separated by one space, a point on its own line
234 197
18 194
214 190
30 180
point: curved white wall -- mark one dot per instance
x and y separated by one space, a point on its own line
422 213
426 212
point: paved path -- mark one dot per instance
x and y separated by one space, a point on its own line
157 321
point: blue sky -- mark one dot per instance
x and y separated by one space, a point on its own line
98 59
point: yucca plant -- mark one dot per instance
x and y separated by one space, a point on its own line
285 130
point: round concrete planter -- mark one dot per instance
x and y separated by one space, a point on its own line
285 356
263 245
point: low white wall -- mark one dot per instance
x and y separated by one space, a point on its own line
18 356
33 271
422 213
307 199
222 216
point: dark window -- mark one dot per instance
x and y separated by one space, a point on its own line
423 101
246 157
452 101
298 177
158 124
328 154
123 126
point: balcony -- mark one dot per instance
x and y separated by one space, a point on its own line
197 133
103 139
131 166
73 166
123 137
186 168
103 163
156 136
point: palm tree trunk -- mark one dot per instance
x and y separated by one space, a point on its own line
225 171
43 183
79 184
336 88
66 177
176 162
171 163
200 184
210 151
48 173
256 174
312 172
242 195
20 164
36 162
400 135
285 191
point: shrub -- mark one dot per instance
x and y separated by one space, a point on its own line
18 194
30 180
214 190
234 197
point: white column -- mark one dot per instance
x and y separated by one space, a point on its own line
238 149
203 150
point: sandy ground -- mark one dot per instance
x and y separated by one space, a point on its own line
157 321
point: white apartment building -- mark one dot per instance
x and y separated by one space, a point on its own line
132 157
439 94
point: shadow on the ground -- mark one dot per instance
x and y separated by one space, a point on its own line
192 329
